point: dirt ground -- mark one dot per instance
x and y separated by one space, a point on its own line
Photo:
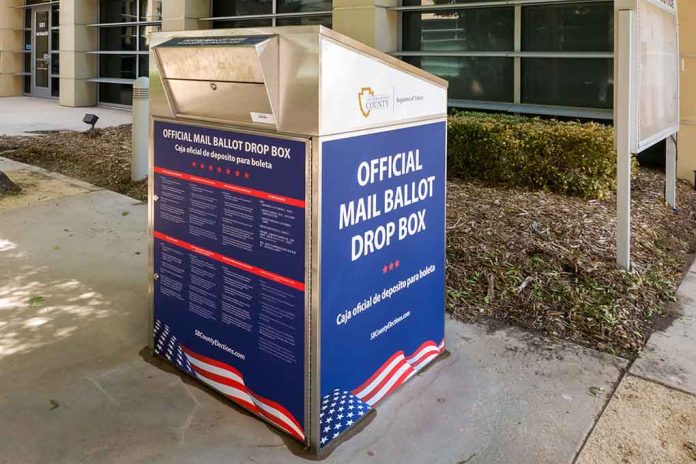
644 423
35 187
542 261
101 157
547 262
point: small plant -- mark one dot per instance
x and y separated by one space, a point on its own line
565 157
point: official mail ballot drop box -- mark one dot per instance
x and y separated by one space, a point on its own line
297 217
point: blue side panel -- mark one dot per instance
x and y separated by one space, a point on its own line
229 227
382 266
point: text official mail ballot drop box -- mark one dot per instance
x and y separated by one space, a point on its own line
298 221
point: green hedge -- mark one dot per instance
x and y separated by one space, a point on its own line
564 157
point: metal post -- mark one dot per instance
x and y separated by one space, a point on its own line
623 127
671 172
141 115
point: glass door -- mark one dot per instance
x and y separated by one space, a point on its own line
41 52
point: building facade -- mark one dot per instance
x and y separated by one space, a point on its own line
548 57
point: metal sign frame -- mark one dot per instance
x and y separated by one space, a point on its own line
626 121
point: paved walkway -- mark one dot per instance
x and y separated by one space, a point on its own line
652 416
24 115
78 385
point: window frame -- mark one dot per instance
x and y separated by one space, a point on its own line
274 16
139 25
515 106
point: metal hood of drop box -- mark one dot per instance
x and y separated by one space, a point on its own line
300 80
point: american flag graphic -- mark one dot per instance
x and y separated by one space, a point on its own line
395 371
167 346
339 411
226 380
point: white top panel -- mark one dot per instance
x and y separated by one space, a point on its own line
358 91
657 73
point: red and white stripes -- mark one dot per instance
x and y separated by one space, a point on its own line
229 381
395 371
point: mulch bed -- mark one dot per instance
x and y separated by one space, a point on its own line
100 157
546 262
542 261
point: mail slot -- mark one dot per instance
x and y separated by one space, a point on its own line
297 222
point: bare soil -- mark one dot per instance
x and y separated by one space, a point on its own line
541 261
101 157
36 187
546 262
644 423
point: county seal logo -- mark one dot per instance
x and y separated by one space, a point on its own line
368 101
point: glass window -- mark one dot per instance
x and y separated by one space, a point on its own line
143 65
556 27
472 78
54 39
245 23
303 6
232 8
441 2
305 21
117 66
118 38
116 93
581 27
580 82
55 64
241 7
118 11
477 29
124 41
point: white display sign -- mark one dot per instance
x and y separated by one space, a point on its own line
646 99
656 70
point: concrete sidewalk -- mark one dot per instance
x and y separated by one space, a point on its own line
77 383
24 115
652 416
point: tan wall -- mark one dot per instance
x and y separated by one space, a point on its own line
76 39
11 40
686 163
368 21
183 15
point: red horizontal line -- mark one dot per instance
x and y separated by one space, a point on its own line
232 262
231 187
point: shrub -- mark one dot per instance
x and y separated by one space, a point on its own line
564 157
